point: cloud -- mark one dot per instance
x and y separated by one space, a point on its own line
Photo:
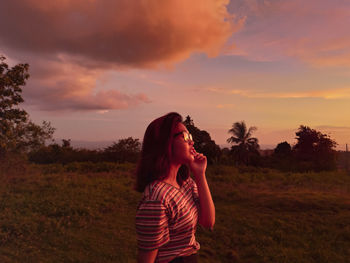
121 32
328 53
339 93
64 86
225 106
314 31
71 44
102 101
340 128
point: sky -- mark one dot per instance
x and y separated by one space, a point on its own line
102 70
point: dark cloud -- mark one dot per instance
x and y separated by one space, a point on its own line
56 100
57 85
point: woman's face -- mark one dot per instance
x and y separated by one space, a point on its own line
182 150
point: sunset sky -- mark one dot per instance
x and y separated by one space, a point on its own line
101 70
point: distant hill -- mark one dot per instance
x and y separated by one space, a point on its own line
91 145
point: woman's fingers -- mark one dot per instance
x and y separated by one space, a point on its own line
200 156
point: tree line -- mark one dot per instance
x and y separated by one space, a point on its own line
125 150
313 151
21 137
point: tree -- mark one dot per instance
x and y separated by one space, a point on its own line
281 158
64 154
66 143
283 149
17 133
314 150
245 151
203 142
125 150
188 121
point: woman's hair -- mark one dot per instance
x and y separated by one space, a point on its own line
156 152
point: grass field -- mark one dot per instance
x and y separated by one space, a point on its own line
54 214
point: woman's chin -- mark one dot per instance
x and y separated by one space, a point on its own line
189 160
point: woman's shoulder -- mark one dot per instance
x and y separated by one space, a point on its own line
190 182
159 191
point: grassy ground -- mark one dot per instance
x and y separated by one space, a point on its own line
262 216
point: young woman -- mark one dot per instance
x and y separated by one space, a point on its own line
172 203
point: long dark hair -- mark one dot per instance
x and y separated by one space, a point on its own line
154 163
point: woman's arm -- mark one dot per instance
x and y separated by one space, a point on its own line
206 204
145 256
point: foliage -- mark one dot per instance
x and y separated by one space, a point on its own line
343 161
314 150
55 153
124 150
226 156
11 80
203 142
283 149
245 151
282 158
17 133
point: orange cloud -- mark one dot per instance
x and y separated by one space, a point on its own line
122 32
225 106
330 53
325 94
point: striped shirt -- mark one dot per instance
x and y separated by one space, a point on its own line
167 218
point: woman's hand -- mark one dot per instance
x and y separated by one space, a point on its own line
199 164
206 216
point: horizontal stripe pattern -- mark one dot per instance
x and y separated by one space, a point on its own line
167 218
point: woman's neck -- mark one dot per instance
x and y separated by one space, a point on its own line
172 175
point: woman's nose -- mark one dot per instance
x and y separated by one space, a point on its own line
191 142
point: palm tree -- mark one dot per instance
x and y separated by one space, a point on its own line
246 145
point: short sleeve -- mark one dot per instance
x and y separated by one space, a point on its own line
151 225
195 192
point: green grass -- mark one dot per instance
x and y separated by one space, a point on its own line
48 214
67 218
